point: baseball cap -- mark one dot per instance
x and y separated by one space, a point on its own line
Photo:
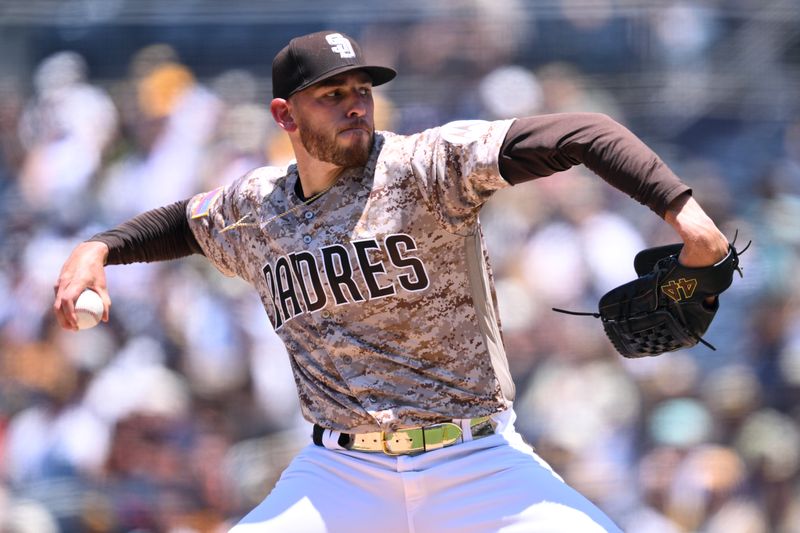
312 58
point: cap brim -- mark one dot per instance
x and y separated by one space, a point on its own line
379 75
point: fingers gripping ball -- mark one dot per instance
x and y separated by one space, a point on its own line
89 309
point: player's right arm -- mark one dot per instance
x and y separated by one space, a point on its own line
156 235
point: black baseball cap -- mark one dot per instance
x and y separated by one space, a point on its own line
312 58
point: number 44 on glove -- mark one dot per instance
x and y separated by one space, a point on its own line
668 307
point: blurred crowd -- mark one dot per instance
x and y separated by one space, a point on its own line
179 414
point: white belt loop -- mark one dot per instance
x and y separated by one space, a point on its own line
330 439
466 429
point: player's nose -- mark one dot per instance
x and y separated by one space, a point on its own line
357 105
355 111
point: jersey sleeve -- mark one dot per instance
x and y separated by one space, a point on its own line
457 169
156 235
211 216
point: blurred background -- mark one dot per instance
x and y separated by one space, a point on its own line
180 413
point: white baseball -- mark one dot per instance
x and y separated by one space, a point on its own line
89 308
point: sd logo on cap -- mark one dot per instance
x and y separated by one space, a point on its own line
317 56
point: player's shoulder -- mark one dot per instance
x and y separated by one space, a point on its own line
261 181
464 132
249 188
457 132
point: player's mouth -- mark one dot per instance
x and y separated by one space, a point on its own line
357 128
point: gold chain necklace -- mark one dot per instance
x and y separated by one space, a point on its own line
242 224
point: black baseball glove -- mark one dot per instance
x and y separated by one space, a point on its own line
668 307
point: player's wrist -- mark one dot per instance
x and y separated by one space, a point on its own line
703 248
95 250
704 243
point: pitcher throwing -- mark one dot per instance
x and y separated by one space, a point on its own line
369 259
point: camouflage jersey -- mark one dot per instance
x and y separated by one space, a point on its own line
380 288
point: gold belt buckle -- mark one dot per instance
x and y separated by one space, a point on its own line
428 438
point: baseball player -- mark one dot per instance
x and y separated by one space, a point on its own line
368 256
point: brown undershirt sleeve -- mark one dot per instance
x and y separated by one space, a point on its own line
539 146
156 235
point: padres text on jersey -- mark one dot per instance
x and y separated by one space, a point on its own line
296 281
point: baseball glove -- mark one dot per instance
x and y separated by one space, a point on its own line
668 307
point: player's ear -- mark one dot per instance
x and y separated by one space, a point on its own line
282 114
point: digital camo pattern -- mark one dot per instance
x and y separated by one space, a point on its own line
380 288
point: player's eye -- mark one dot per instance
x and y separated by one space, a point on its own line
332 93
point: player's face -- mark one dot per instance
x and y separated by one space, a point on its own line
335 119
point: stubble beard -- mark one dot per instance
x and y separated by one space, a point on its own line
327 150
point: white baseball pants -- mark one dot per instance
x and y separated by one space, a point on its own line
492 484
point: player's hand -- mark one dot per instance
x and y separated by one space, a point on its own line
83 269
703 243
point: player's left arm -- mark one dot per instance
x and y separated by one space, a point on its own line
542 145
